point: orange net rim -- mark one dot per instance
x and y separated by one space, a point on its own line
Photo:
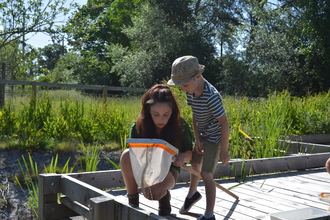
147 145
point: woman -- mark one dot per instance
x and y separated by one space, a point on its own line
159 118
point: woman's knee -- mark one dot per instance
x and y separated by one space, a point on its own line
124 156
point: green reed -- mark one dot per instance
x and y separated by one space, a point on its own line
61 116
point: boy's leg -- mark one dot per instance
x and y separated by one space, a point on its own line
196 165
209 165
210 190
193 195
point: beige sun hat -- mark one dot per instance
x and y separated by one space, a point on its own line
185 69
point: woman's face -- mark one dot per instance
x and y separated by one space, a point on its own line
160 113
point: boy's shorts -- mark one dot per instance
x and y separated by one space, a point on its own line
211 153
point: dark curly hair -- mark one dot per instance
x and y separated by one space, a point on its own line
145 126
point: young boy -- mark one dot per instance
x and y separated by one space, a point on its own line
210 127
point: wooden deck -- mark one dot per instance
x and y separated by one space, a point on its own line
259 196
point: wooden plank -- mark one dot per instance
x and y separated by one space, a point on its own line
75 206
270 165
102 208
73 86
80 191
48 189
57 211
223 210
317 139
225 206
49 183
113 178
286 188
101 179
127 212
147 206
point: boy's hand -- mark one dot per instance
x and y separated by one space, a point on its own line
199 147
327 165
224 157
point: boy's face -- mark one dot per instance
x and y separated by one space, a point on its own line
190 86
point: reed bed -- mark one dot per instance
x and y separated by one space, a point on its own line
256 125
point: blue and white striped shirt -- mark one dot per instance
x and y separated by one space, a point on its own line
207 108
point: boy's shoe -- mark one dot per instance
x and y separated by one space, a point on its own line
188 203
204 218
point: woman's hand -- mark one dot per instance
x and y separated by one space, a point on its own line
179 160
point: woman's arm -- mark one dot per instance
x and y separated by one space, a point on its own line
182 158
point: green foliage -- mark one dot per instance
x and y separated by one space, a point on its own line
30 172
61 123
91 158
152 40
8 121
21 17
267 120
53 166
28 179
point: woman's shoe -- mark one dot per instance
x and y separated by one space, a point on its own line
165 205
133 199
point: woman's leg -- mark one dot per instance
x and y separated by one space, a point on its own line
161 193
158 191
130 183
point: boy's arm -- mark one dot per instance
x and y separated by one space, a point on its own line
198 144
224 155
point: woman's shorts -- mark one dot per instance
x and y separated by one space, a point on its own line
175 172
211 153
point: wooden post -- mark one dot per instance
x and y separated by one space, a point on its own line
34 92
2 86
49 186
105 93
102 208
49 208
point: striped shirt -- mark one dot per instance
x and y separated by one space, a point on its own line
207 108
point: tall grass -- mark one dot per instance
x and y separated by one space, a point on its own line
54 118
28 178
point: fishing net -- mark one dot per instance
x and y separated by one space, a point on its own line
150 159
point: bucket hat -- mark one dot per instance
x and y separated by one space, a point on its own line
185 69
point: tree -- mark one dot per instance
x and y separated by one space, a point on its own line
64 70
100 23
13 56
49 56
152 40
157 39
312 30
19 18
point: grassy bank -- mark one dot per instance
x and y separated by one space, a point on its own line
59 120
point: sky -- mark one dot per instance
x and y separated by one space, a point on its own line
40 39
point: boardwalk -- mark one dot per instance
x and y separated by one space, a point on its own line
259 196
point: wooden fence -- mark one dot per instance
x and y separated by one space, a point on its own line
82 194
34 85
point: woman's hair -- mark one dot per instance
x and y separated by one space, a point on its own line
145 126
